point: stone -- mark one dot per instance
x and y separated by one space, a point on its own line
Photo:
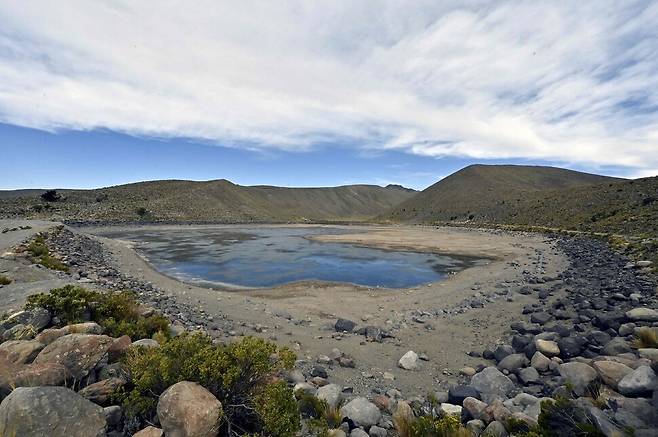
540 362
529 375
376 431
145 342
570 347
547 347
336 433
305 388
19 332
540 318
319 371
502 351
649 353
85 328
640 382
450 409
579 375
498 410
611 372
476 409
113 415
458 393
101 391
642 314
475 426
616 346
50 411
495 429
149 431
186 409
467 371
78 353
362 412
19 351
331 394
492 384
37 318
409 361
47 336
344 325
513 362
119 348
358 432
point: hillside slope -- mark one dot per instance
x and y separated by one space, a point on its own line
486 193
211 201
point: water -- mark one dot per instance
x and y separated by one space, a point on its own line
257 256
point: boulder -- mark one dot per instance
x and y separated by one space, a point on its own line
450 409
376 431
640 382
495 429
19 351
19 332
409 361
611 372
145 342
186 409
358 432
101 391
476 409
492 384
529 375
47 336
502 351
579 375
616 346
642 314
37 318
344 325
458 393
113 415
50 411
513 362
149 431
547 347
85 328
362 412
540 362
331 394
78 353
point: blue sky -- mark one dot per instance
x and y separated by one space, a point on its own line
96 92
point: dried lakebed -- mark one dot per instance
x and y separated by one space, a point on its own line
257 256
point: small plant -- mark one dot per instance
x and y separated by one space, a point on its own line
278 410
646 338
4 280
40 254
141 212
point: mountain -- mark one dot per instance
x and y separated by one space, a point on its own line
486 193
211 201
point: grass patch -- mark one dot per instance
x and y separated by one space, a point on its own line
646 338
239 374
40 254
408 425
117 313
4 280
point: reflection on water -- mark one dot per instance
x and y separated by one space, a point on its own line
256 256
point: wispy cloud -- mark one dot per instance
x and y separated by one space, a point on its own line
573 82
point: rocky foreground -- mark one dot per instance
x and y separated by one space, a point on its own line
580 360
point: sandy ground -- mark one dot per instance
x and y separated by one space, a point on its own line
313 307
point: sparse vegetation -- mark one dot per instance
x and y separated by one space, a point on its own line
4 280
40 254
117 313
239 374
646 338
51 196
443 425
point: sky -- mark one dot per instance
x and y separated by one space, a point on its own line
320 93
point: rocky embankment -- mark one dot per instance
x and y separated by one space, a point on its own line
580 360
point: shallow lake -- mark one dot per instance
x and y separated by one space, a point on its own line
260 256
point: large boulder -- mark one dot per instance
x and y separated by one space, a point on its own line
640 382
19 351
547 347
186 409
149 431
579 375
101 391
50 411
362 412
642 314
78 353
344 325
492 384
331 394
37 318
611 372
513 362
477 409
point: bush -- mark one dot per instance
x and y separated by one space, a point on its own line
4 280
237 374
115 312
51 196
646 338
429 426
38 249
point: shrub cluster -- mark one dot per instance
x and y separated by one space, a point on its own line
117 313
4 280
40 254
241 375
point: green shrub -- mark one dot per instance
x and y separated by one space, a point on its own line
115 312
4 280
236 373
40 254
38 247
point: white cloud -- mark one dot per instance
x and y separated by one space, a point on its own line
574 82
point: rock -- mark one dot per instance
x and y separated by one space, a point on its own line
642 314
118 348
344 325
492 384
19 332
409 361
37 318
85 328
649 353
495 429
336 433
540 318
113 415
176 330
47 336
305 388
458 393
547 347
540 362
611 372
502 351
145 342
467 371
78 353
376 431
450 409
476 409
33 375
331 394
362 412
294 376
19 351
50 411
570 346
513 362
528 375
358 432
616 346
149 431
475 426
186 409
101 391
499 411
579 375
319 371
114 370
640 382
